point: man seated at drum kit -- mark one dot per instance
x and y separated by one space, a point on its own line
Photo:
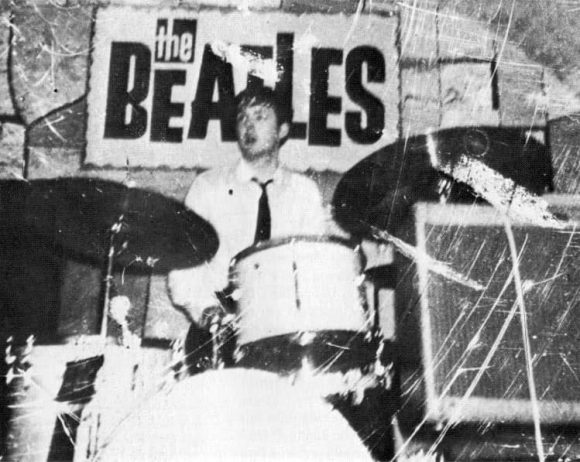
253 200
296 292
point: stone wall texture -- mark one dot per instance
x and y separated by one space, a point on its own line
445 68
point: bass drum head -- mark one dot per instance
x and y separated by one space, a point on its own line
235 414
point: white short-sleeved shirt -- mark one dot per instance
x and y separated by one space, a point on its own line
228 199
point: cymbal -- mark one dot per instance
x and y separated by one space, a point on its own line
78 214
381 189
510 151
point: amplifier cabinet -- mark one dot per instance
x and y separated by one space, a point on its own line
466 344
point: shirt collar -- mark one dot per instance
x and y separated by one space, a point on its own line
244 173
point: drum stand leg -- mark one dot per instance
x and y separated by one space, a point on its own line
91 444
215 329
109 278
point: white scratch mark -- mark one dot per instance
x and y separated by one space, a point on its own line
432 264
253 63
569 366
51 127
432 148
515 201
359 8
526 340
455 416
306 42
507 29
503 193
483 324
69 53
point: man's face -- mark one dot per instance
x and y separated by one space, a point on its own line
258 132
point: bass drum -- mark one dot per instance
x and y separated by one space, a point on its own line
235 414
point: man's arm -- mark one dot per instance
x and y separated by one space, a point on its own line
192 288
199 197
189 288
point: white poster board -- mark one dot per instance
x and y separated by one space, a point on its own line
162 84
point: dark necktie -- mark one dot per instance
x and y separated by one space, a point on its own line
264 222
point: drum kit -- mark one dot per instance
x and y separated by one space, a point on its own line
306 350
301 348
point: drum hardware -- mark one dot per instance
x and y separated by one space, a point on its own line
198 350
350 385
313 360
177 364
210 344
219 329
114 231
214 329
119 307
382 277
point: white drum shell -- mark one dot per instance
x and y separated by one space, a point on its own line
118 386
235 415
127 379
297 285
34 409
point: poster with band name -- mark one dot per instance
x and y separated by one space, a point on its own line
162 85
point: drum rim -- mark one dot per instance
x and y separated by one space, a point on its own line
276 242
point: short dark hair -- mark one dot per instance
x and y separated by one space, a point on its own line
263 96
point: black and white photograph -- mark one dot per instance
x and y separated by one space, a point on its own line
290 230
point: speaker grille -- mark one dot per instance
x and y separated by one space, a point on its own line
472 352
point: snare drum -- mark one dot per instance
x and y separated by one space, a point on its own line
301 307
299 284
234 415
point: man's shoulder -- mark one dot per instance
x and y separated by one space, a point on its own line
215 175
206 186
300 180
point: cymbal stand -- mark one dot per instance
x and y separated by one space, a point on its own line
115 229
94 417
